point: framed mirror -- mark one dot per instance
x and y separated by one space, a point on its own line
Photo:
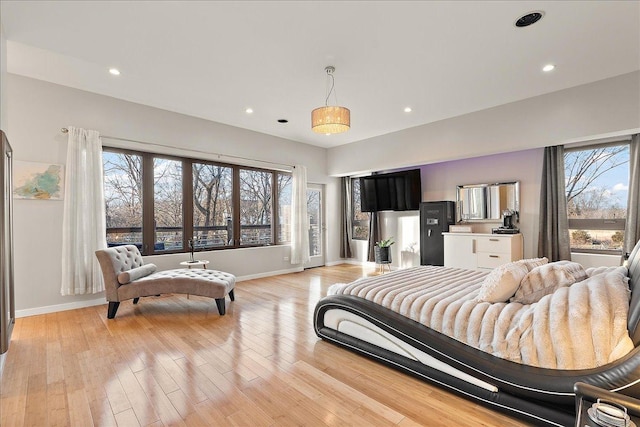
487 202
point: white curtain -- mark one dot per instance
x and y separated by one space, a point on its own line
299 217
83 226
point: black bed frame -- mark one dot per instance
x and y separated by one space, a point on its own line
538 395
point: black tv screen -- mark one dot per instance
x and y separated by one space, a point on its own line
397 191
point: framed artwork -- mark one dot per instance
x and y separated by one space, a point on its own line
38 181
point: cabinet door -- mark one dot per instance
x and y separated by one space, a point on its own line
460 252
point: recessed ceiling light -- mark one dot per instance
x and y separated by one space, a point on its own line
548 67
283 121
407 109
114 71
249 110
529 19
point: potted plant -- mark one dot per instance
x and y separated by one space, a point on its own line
383 251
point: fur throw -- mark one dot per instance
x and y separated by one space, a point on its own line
580 326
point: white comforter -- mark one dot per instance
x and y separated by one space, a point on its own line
577 327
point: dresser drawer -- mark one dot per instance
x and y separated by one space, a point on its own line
493 245
492 260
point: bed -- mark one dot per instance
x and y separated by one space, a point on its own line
519 356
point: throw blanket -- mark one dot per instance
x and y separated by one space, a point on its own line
577 327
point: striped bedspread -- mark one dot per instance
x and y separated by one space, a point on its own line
577 327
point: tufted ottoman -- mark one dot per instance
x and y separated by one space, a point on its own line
127 277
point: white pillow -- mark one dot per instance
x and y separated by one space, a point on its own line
546 279
502 282
136 273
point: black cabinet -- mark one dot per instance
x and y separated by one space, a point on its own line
435 219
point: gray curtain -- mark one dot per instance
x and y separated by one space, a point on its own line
553 240
374 235
345 217
632 227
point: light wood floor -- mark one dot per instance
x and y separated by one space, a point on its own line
174 361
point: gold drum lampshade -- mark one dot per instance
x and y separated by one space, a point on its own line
330 119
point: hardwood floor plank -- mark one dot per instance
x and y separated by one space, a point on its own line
173 360
127 419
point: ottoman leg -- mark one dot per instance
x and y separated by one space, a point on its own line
231 295
221 307
135 300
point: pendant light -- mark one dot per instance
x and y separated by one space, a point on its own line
330 118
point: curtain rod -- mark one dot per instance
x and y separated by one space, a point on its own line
65 130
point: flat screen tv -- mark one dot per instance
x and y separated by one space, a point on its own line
396 191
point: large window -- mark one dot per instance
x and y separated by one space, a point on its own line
255 207
167 204
123 197
597 183
159 203
359 219
212 205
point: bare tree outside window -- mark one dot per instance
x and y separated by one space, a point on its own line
597 182
212 205
167 188
123 197
255 207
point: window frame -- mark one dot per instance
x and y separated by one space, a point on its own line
148 202
615 224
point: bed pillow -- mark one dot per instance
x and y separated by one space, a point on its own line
532 263
502 282
546 279
136 273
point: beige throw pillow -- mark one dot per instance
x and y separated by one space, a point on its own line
546 279
502 282
136 273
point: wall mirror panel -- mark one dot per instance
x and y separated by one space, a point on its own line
487 202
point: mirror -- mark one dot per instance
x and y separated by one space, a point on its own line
487 202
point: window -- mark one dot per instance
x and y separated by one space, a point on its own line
123 197
255 207
284 207
597 183
167 204
359 219
212 205
158 203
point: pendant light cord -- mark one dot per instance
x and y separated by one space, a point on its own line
332 89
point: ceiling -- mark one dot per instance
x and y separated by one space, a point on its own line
215 59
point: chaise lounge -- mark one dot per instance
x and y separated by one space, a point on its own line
127 277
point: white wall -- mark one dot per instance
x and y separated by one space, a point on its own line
37 111
579 113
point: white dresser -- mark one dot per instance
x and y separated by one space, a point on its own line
477 251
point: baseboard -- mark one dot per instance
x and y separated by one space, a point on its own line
59 307
340 261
